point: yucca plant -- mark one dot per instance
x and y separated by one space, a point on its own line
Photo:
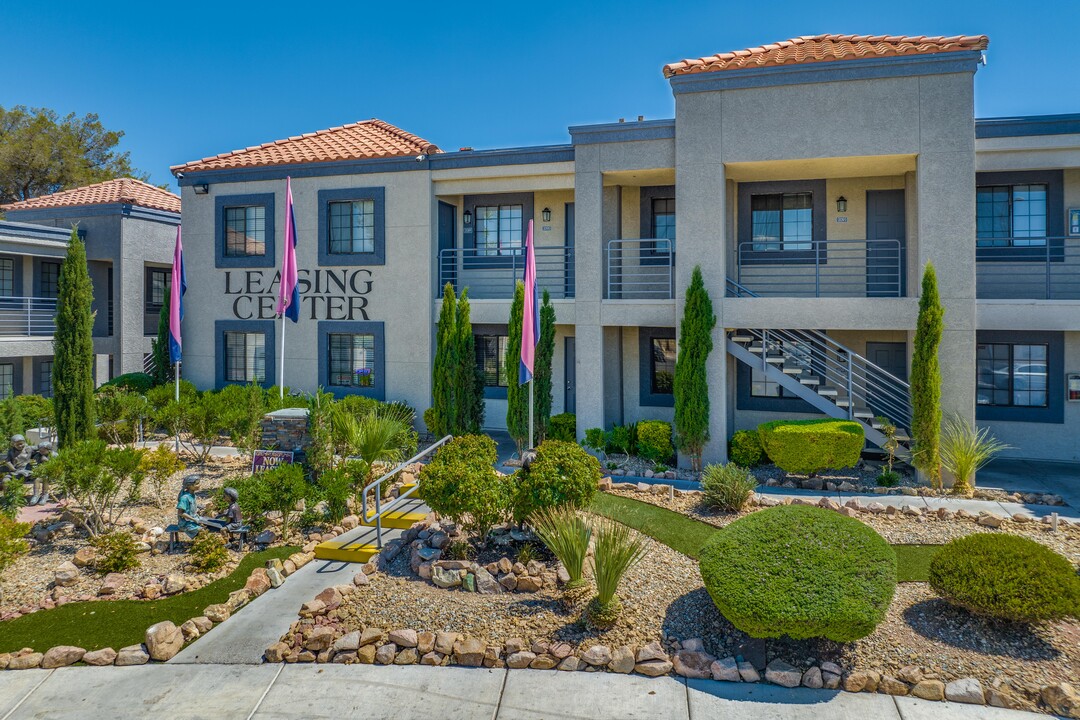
965 449
567 534
616 550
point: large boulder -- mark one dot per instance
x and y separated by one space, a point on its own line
965 690
132 655
1062 699
105 656
163 640
66 575
62 656
779 672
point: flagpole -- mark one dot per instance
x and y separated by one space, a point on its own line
281 372
531 445
176 375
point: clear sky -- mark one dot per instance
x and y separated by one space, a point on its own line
189 79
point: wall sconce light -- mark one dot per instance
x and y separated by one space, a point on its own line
841 204
546 212
201 188
467 217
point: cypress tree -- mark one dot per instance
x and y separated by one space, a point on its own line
73 348
517 396
691 381
545 350
443 372
161 368
926 380
468 381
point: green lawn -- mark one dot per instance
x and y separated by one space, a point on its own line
118 623
687 535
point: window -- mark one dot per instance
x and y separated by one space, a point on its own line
1011 215
158 283
245 357
352 360
498 229
352 227
245 231
7 380
50 279
7 277
782 221
45 378
798 355
491 359
662 366
663 218
1012 375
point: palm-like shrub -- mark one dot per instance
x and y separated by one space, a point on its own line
727 487
617 549
567 534
385 435
965 449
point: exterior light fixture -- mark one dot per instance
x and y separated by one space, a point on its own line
201 188
841 204
467 217
547 214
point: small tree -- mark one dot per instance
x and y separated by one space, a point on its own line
161 369
468 380
158 466
102 480
443 371
926 380
517 396
12 421
73 348
691 381
545 351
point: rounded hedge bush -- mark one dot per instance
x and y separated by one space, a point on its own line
1006 577
654 441
809 446
563 427
800 571
562 473
745 449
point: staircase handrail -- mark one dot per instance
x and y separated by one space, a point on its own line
380 509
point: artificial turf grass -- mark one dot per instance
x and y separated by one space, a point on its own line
119 623
687 535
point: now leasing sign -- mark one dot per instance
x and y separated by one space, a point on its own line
325 293
268 459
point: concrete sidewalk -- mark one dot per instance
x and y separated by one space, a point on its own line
269 692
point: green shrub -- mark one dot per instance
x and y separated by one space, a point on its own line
478 449
1007 577
116 552
560 474
12 540
617 550
120 412
35 410
620 439
566 533
460 482
809 446
208 552
654 440
139 382
595 439
745 448
728 487
158 465
563 427
888 478
338 485
280 490
460 550
12 499
800 571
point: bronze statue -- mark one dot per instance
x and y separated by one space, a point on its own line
18 466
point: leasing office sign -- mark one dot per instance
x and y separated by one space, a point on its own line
325 293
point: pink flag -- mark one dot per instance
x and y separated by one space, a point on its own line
176 299
530 324
288 292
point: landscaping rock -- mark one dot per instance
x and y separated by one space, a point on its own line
650 668
445 641
891 686
692 664
560 650
408 656
62 656
25 662
1062 699
403 638
622 660
217 613
425 642
725 669
445 578
748 672
347 642
570 664
112 584
929 690
276 653
66 575
275 577
520 659
258 582
84 557
372 636
812 678
990 519
105 656
543 662
965 690
385 654
163 640
855 681
651 651
175 583
468 652
132 655
366 654
432 658
529 584
485 582
203 623
910 674
597 655
830 681
509 581
779 672
311 608
321 638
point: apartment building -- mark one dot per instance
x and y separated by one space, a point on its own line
129 228
811 180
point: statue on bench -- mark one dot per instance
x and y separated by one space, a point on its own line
188 519
19 463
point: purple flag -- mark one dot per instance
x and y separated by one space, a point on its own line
288 292
176 300
530 325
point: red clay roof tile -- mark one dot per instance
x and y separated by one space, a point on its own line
121 190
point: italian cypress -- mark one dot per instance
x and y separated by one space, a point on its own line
517 396
443 412
691 380
469 381
926 380
73 348
545 350
161 368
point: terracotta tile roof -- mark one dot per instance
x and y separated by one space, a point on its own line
359 141
827 48
121 190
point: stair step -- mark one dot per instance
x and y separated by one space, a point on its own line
863 413
756 348
775 359
810 380
345 551
742 338
828 392
399 519
793 370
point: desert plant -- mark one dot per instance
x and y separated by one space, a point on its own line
245 406
526 553
158 466
620 439
809 446
13 542
727 487
73 348
745 448
888 478
595 440
965 449
800 571
207 420
12 421
338 485
320 455
617 549
121 414
566 534
888 428
382 436
35 410
102 480
560 474
563 427
691 384
208 553
460 550
116 552
654 441
926 380
279 490
659 468
1006 577
12 498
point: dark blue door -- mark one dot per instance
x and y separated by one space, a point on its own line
885 243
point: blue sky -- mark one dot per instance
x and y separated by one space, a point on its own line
190 79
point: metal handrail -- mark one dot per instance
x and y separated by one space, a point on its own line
634 275
493 273
1035 268
27 316
823 268
379 509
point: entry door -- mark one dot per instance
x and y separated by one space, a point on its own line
447 270
570 399
890 357
568 239
885 271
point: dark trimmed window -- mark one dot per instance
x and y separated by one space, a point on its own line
498 229
352 227
245 231
351 359
7 380
245 357
662 366
663 219
50 279
45 387
1012 375
782 221
7 277
762 386
1011 215
491 359
158 282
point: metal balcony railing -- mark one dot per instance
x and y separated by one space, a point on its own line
822 268
491 274
27 316
642 269
1027 268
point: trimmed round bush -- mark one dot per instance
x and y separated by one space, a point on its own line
745 449
138 382
1006 577
800 571
654 440
562 473
460 482
809 446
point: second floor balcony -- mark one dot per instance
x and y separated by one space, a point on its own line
1028 268
22 317
822 268
492 273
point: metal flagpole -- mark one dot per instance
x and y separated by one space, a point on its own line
281 373
176 374
531 383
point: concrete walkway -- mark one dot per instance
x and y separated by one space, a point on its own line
269 692
1058 478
